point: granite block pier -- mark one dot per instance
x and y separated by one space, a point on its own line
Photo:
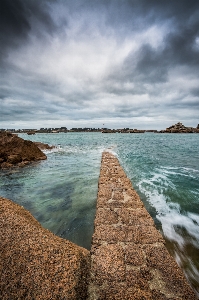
128 257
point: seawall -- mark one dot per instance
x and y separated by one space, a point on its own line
128 257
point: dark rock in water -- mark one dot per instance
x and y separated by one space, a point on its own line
43 146
15 151
36 264
180 128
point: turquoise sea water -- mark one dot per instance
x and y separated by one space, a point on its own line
164 169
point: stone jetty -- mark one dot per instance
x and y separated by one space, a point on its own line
128 257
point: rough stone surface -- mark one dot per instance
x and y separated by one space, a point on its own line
36 264
15 151
128 257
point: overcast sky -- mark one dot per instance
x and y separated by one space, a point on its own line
121 63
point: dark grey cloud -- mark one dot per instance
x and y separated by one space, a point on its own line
195 92
99 60
19 19
179 47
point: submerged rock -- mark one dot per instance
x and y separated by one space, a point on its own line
43 146
36 264
15 151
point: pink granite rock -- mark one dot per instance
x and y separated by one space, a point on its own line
36 264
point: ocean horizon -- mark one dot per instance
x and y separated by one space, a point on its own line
61 192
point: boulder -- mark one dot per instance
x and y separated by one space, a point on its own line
43 146
36 264
15 151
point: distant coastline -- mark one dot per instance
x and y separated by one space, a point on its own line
176 128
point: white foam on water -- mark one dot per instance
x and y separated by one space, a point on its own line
111 150
58 148
181 171
181 229
168 212
160 178
173 220
73 150
153 189
190 169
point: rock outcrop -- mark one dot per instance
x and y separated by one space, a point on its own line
180 128
128 257
36 264
15 151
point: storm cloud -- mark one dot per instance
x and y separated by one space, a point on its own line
82 63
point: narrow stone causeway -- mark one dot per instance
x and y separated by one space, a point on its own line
129 259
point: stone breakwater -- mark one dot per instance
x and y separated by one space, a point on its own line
128 257
36 264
